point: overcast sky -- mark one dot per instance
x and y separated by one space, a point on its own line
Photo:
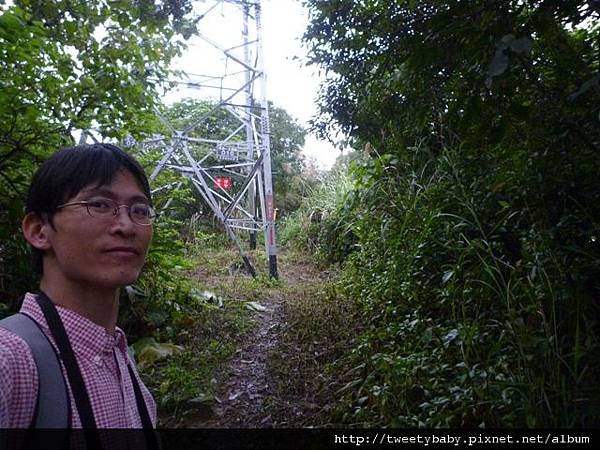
291 85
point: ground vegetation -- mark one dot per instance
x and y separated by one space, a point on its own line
470 233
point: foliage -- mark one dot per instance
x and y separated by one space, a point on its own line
320 224
186 384
321 325
290 181
78 65
475 210
72 65
188 377
148 351
161 299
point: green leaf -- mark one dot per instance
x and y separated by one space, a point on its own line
148 351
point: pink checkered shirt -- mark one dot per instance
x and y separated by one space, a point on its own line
103 361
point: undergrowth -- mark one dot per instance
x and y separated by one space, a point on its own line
185 384
320 327
470 317
316 227
197 301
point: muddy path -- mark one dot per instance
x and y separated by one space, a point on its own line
240 402
247 389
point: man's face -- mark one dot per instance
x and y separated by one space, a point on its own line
93 252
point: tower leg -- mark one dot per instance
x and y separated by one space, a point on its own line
273 267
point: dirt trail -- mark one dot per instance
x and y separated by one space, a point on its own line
242 400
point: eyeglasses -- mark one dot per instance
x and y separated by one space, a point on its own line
104 208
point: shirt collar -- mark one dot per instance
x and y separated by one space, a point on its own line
85 336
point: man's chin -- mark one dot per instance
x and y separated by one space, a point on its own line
121 280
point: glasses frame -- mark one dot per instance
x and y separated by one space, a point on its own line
115 211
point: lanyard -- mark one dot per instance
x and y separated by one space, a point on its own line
82 400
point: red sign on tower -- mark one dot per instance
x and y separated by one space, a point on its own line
223 183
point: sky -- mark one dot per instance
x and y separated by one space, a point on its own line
290 84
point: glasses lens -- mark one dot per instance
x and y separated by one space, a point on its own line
141 213
100 207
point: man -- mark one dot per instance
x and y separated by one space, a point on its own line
89 223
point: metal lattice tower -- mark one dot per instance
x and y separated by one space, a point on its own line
238 87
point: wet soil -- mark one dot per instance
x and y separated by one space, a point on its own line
242 400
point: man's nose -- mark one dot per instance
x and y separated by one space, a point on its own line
123 217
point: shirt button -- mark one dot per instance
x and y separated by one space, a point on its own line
98 360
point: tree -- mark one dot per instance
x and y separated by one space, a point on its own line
288 164
76 65
67 65
479 121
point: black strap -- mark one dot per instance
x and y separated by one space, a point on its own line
82 400
151 439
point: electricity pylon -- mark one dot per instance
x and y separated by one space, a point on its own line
232 175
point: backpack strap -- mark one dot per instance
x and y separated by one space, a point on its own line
152 442
53 408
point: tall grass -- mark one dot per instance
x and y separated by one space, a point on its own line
472 316
317 215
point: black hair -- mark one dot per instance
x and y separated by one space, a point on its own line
68 171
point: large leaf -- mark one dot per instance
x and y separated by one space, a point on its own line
148 351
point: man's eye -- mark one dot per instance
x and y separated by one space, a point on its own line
140 210
100 204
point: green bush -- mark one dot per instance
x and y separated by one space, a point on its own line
320 225
476 211
466 300
160 299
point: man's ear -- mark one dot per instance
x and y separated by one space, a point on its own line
35 230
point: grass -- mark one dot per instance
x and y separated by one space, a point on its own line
185 384
321 325
318 326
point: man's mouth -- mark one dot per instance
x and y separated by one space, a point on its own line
125 251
